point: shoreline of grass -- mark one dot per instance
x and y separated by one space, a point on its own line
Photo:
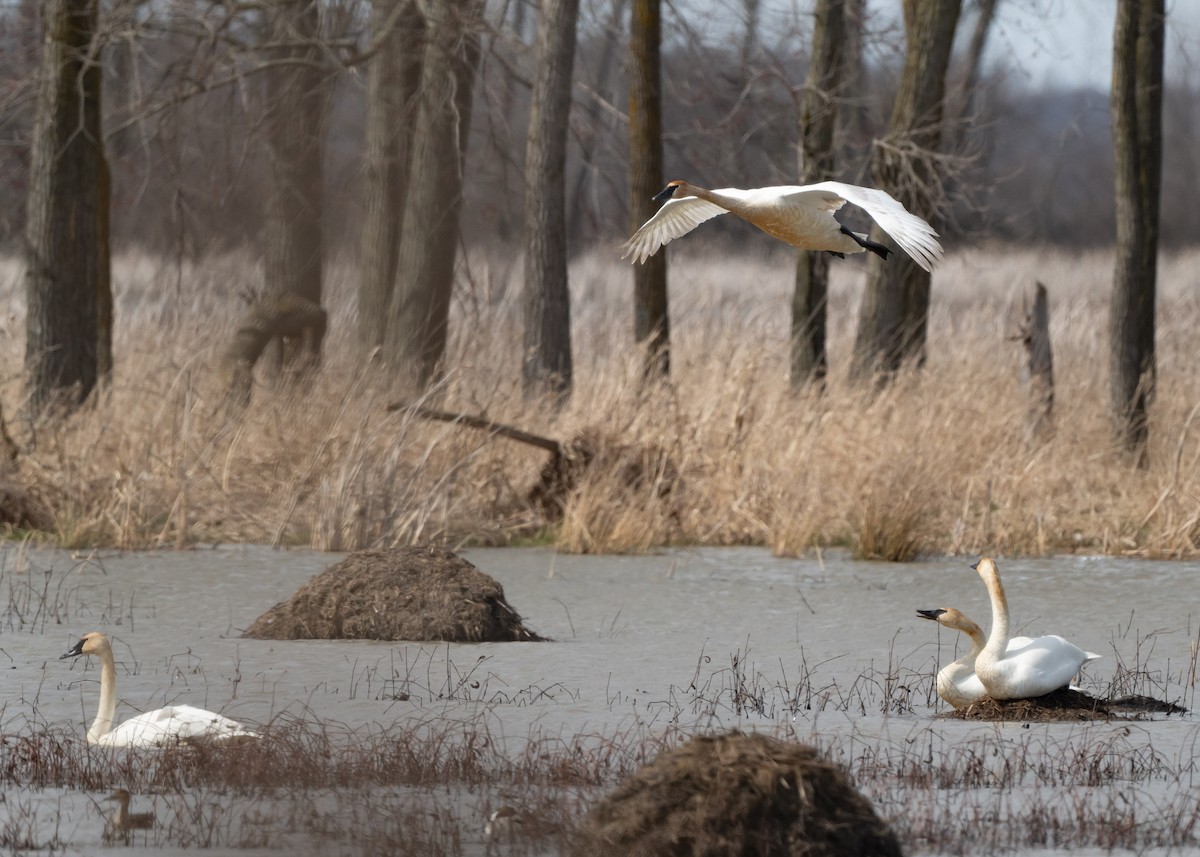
936 464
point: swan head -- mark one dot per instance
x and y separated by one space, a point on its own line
986 567
668 192
91 643
948 617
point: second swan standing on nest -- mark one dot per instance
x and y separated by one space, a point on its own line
800 215
164 727
1041 666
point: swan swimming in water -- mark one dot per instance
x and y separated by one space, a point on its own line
800 215
1040 666
166 726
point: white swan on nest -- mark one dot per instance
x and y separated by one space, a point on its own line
956 682
1040 666
800 215
163 727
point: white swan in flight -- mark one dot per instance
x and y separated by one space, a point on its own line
800 215
1040 666
164 727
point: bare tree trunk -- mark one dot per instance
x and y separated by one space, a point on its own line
1038 374
547 301
1137 165
895 307
818 119
973 61
297 95
392 81
68 282
418 318
651 324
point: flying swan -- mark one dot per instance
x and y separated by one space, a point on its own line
1040 666
800 215
164 727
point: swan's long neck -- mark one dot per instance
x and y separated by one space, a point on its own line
978 641
997 641
103 723
729 203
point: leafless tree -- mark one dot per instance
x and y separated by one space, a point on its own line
297 93
547 304
418 316
895 307
393 76
651 324
1137 159
68 288
818 119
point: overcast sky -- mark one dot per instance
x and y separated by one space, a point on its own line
1069 42
1044 43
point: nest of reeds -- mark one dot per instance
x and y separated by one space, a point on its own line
1065 704
406 593
736 794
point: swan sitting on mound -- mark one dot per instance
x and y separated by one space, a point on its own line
957 682
800 215
1039 666
164 727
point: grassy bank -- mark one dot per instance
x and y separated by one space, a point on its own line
936 464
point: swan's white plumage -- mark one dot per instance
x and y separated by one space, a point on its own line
1037 667
801 215
957 682
162 727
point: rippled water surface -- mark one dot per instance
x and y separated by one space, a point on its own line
695 639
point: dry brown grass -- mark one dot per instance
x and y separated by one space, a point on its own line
936 464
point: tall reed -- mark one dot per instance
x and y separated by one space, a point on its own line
935 463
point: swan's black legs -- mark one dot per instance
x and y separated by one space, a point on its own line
867 244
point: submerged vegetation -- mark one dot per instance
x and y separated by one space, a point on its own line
936 463
428 789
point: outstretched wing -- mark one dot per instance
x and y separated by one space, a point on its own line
676 217
915 237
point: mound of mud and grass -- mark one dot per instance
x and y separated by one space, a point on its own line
1065 704
409 593
736 794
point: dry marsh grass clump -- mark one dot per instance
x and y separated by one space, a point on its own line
736 795
935 463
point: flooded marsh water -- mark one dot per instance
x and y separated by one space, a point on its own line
645 651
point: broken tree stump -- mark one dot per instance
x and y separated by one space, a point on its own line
1037 375
296 321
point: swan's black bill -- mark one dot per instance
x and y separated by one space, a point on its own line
975 565
74 652
665 194
930 614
